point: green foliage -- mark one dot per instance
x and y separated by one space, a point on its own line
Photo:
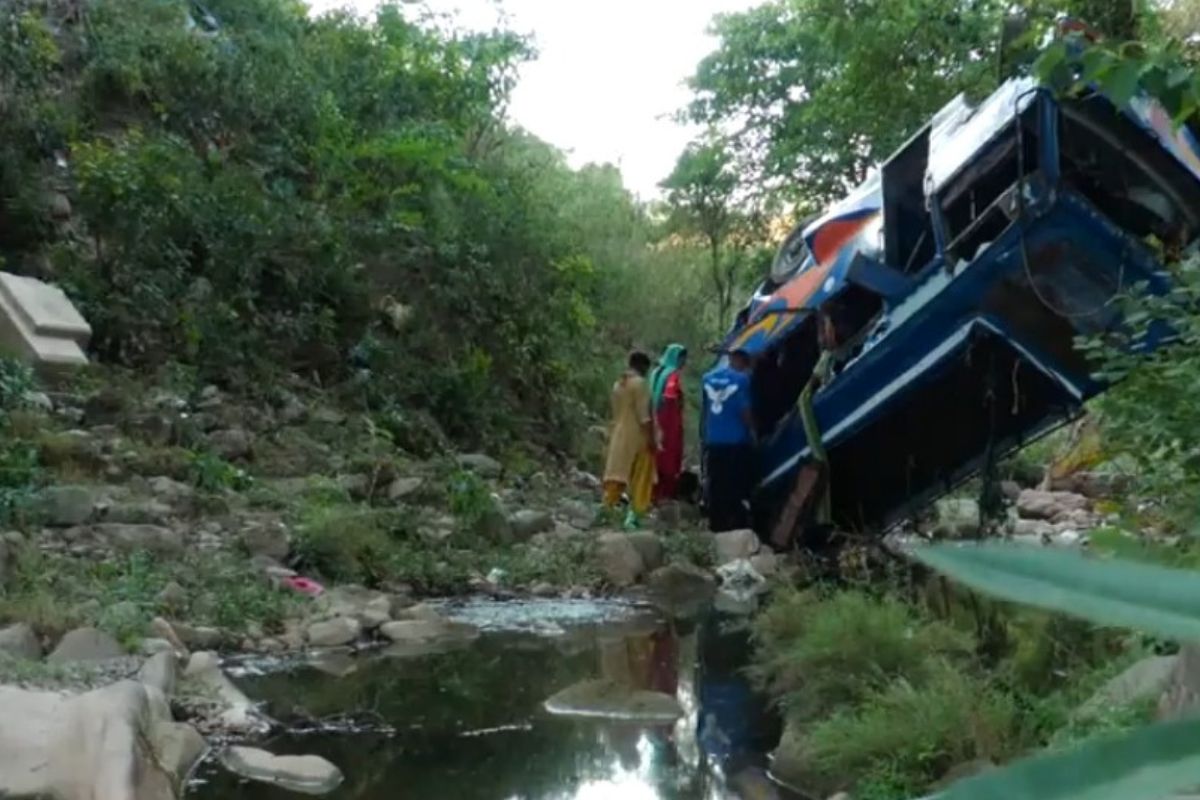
1151 761
330 194
347 543
819 90
1152 599
819 653
903 737
470 498
56 593
690 546
212 473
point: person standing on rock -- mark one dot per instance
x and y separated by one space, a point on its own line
631 443
666 392
728 433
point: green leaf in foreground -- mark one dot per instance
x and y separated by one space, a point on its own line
1109 592
1152 762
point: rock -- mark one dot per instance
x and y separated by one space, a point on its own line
179 747
329 416
59 206
173 597
1010 489
1036 504
578 513
166 631
369 607
305 774
1029 528
649 547
158 671
1148 678
420 611
543 589
734 545
151 512
203 676
402 488
428 630
608 699
480 464
66 506
619 559
1182 693
115 743
678 579
198 637
527 522
170 490
105 407
231 444
155 539
153 646
956 518
85 644
335 632
19 641
266 535
765 563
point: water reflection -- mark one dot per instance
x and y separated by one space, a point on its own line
470 723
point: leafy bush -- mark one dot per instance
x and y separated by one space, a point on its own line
348 543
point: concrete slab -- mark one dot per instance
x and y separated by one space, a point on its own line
39 324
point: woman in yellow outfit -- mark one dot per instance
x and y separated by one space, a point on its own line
631 447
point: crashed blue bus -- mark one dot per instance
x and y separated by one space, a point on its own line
957 279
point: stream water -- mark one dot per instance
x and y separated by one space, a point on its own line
471 723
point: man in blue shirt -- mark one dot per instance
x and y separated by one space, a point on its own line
727 430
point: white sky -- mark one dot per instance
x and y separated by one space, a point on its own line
607 76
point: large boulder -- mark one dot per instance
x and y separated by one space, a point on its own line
335 632
734 545
156 539
1181 696
619 559
482 465
956 518
19 641
159 672
369 607
235 713
426 635
528 522
66 506
266 535
232 444
679 579
305 774
85 644
115 743
1146 679
609 699
1053 506
649 547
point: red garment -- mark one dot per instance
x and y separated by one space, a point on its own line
669 419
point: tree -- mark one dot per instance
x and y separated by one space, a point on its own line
703 200
814 92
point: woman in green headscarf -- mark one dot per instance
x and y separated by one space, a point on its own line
666 395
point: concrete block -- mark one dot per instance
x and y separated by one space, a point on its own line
38 324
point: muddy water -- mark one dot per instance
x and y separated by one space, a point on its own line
471 723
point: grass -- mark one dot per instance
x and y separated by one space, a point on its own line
883 700
57 593
691 546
